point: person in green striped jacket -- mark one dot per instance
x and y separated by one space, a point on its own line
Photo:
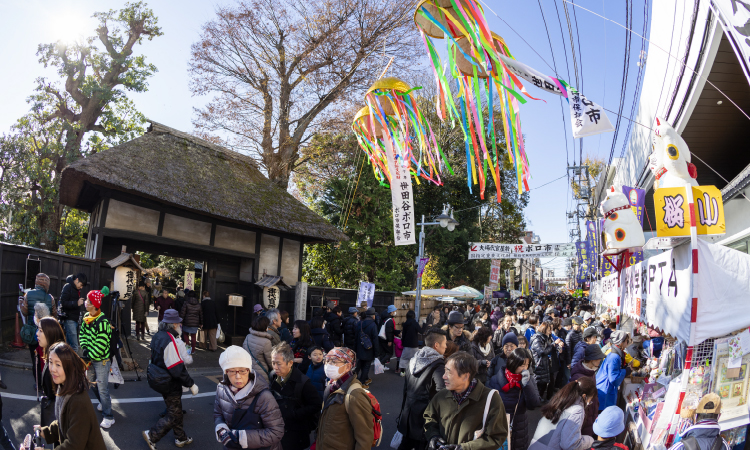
95 337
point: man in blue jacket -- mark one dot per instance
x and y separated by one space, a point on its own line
613 370
365 356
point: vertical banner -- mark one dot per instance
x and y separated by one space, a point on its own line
366 293
605 268
402 197
581 249
637 199
300 300
494 273
422 264
586 117
190 279
592 245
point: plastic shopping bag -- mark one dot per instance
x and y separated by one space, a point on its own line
378 367
115 376
219 334
396 441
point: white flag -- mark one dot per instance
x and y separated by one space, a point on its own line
587 117
402 198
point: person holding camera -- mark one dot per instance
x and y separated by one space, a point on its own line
71 302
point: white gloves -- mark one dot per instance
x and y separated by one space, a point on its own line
194 389
526 376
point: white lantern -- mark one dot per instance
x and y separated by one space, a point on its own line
126 280
271 297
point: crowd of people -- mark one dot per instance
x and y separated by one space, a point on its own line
471 374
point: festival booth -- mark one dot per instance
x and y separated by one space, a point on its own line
697 298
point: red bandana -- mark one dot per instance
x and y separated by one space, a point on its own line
514 380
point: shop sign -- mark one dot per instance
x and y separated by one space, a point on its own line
608 291
271 297
190 279
673 214
125 282
495 272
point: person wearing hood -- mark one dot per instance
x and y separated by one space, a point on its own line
518 390
409 340
246 414
258 345
456 329
168 376
346 419
388 320
612 373
704 435
424 378
587 368
71 305
319 334
192 319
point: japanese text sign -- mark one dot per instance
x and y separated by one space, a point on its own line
673 214
271 297
592 245
514 251
495 272
402 197
366 293
190 279
124 282
587 117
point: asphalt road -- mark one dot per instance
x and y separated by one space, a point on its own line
137 407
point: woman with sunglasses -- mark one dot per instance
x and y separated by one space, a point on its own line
246 414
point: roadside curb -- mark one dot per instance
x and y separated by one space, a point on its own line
127 376
15 364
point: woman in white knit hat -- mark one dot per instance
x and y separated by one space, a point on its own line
246 414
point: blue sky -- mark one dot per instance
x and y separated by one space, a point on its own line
24 25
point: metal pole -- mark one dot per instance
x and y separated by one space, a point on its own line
419 277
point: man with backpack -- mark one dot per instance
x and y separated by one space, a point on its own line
350 419
299 401
704 435
40 294
368 345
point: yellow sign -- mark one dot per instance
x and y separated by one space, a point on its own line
673 215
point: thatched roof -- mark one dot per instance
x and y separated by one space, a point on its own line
175 168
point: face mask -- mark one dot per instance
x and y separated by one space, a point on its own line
332 372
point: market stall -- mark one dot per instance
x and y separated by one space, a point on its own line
695 294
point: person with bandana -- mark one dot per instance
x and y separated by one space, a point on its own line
346 420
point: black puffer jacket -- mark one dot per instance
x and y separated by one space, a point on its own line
350 332
210 314
573 338
192 313
542 349
321 339
410 333
516 401
369 328
335 327
69 296
424 378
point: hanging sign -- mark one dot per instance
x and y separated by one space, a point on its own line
422 264
609 291
592 247
532 75
271 297
515 251
402 197
125 282
673 214
587 117
366 293
190 279
495 272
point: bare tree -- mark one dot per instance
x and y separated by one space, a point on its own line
280 70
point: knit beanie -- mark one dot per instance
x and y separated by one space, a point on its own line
510 338
235 357
43 281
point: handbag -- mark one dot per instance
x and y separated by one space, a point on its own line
158 379
115 376
364 339
478 434
382 334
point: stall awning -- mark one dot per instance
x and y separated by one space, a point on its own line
272 280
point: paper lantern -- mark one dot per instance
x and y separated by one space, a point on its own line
126 280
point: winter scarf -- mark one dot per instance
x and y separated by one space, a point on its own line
514 380
460 397
336 384
485 349
88 319
422 359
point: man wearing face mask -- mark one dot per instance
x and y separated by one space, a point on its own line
455 419
613 370
592 360
346 420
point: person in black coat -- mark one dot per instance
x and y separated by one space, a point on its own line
542 348
71 305
351 322
409 340
210 321
335 325
299 401
365 356
319 335
518 390
386 345
424 378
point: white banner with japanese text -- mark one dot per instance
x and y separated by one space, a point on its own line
607 291
587 117
402 198
515 251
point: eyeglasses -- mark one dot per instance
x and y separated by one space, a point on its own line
234 373
461 327
335 361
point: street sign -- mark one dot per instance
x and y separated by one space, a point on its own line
514 251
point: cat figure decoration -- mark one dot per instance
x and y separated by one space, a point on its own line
621 227
670 159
